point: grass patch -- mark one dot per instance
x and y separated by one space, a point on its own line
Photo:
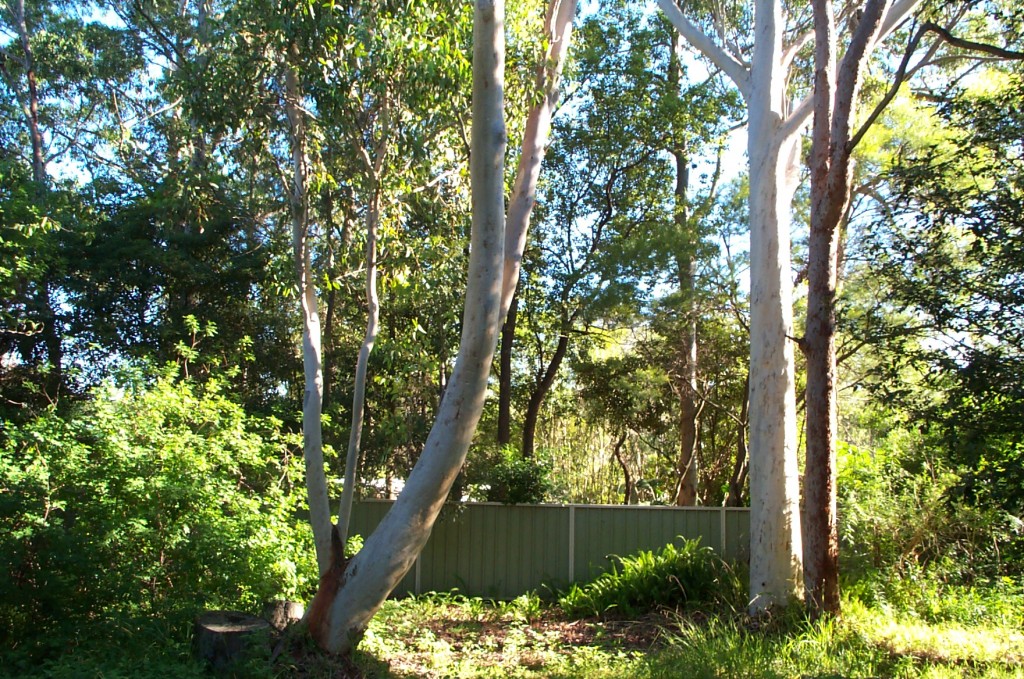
450 635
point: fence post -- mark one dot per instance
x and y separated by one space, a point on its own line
721 518
572 543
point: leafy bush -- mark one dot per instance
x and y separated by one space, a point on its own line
155 497
519 480
688 575
930 596
898 514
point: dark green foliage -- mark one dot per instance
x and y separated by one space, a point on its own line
953 257
899 514
517 480
153 498
687 576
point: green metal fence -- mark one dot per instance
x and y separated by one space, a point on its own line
502 551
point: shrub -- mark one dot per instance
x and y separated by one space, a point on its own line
153 497
900 515
519 480
688 575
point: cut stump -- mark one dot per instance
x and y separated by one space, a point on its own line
223 638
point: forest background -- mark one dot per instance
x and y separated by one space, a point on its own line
151 384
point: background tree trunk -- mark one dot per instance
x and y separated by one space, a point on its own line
540 392
312 402
686 269
508 333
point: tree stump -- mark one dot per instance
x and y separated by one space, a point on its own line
222 638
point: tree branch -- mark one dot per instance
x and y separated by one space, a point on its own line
729 64
945 35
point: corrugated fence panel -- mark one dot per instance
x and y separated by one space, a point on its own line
502 551
737 531
606 531
497 551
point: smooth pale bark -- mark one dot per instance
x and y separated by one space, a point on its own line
312 402
558 31
776 575
773 150
836 86
392 548
359 387
373 167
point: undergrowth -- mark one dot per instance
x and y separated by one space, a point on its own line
687 575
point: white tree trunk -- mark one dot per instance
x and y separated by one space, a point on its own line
773 148
558 30
359 387
312 402
776 575
775 551
391 550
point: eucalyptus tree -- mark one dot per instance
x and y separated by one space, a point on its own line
836 95
367 91
775 124
350 593
773 151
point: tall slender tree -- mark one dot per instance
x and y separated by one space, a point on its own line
834 138
773 135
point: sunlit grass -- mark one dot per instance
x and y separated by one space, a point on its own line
452 636
449 635
946 642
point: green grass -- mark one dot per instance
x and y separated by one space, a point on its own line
449 635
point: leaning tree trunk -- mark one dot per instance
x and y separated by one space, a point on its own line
352 594
558 30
